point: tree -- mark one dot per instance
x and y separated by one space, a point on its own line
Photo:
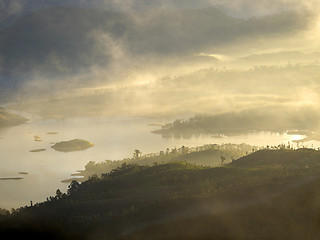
174 151
93 178
137 153
58 194
4 212
73 187
167 151
183 149
222 159
90 166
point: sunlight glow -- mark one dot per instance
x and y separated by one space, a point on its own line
297 137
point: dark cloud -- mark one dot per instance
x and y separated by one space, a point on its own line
61 42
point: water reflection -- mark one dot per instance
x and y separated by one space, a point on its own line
114 138
297 137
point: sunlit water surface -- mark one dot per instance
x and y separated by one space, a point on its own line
114 139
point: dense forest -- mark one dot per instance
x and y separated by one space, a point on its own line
270 193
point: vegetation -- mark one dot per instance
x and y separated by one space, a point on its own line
267 194
38 150
272 119
238 67
206 155
11 178
72 145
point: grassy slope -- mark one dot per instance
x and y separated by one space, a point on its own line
244 200
294 214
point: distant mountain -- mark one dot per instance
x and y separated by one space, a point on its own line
278 57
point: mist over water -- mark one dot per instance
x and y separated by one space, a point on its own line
237 71
114 139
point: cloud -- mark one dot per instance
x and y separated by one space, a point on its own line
15 7
10 8
84 47
253 8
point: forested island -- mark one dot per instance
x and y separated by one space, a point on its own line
72 145
270 193
270 119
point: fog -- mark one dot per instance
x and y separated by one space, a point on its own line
223 67
163 106
172 59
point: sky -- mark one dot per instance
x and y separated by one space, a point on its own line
119 61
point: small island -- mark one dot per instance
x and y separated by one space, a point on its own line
10 178
37 150
52 133
72 145
37 138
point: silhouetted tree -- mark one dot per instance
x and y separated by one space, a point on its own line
73 187
183 149
222 159
137 153
93 178
58 194
4 212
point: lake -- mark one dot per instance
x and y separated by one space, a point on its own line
114 138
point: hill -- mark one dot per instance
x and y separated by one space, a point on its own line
185 201
290 215
285 158
210 155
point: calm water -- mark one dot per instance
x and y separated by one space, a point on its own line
114 138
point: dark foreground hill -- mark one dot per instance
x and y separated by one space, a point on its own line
270 194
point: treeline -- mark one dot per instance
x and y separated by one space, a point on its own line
138 202
271 119
206 155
